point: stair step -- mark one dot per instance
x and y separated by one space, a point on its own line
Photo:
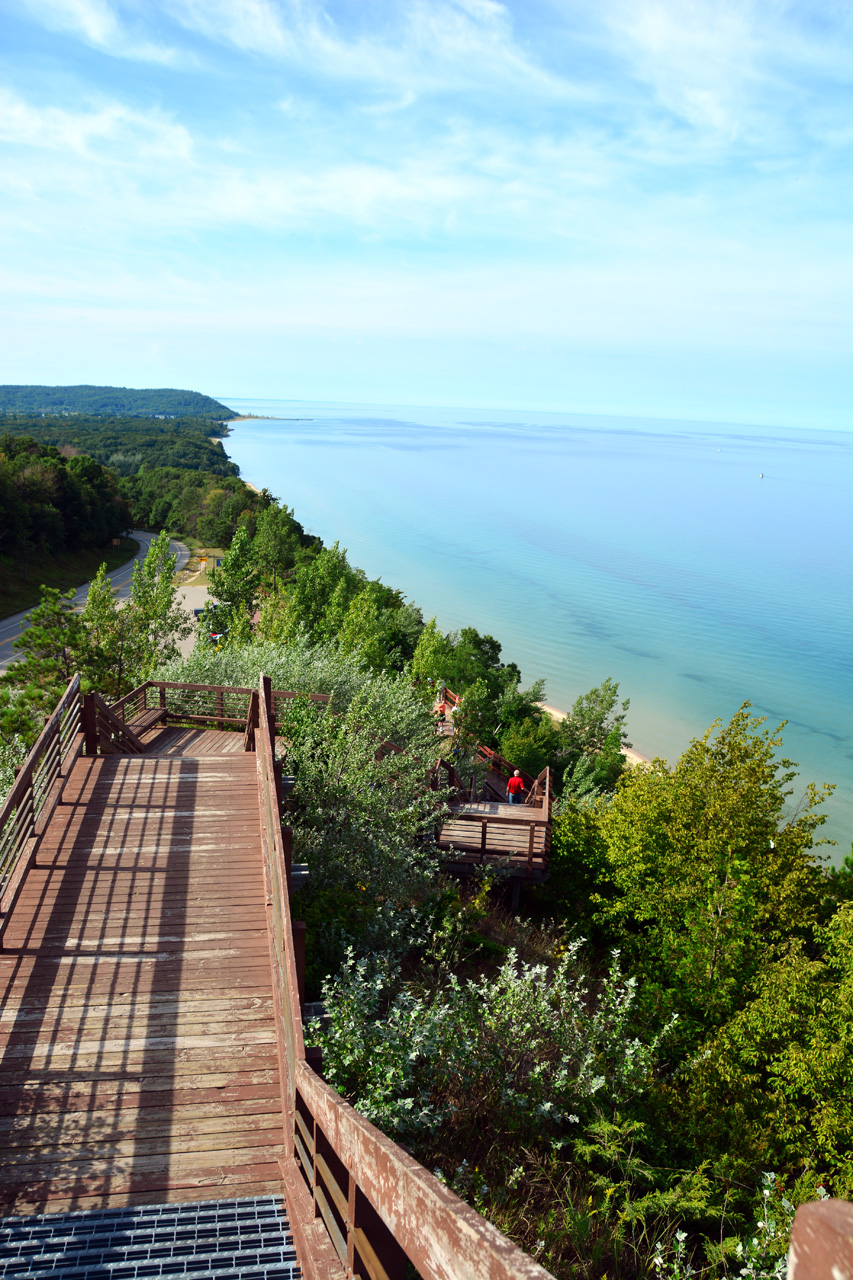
208 1240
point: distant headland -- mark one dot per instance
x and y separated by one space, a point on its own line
129 402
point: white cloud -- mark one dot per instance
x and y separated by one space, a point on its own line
424 46
250 25
112 132
731 67
98 23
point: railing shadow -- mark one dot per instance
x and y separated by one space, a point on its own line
90 1024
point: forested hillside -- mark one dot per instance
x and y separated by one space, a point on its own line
52 509
128 443
50 503
111 401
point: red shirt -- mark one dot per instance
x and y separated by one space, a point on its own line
514 786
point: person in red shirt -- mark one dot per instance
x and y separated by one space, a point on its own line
515 788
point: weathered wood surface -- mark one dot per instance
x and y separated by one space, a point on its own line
139 1060
175 740
496 830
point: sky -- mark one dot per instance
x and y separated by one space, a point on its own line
624 207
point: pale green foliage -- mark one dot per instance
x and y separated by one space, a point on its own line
304 667
362 807
360 811
529 1048
764 1255
125 641
13 753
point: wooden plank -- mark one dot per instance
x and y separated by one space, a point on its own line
129 1068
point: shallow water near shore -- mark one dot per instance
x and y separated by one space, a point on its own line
650 551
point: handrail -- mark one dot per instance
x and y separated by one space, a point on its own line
222 711
359 1206
105 730
499 764
540 793
35 793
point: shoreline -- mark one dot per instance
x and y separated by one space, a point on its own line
633 757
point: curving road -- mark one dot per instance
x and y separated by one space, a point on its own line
11 628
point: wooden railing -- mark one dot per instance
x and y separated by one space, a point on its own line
215 705
491 823
35 793
104 731
539 796
359 1206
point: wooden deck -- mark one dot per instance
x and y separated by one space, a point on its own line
485 831
139 1058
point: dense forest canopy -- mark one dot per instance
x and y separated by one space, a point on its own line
50 503
128 402
128 444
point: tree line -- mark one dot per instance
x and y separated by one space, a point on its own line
111 401
51 503
128 444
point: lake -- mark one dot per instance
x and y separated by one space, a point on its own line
698 564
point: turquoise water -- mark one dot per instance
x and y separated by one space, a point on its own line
649 551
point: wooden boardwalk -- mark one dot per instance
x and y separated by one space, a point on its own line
139 1058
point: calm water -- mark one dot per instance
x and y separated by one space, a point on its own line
645 550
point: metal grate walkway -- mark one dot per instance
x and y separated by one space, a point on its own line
213 1240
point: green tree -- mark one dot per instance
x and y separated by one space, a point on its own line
588 755
161 622
234 585
51 645
317 599
431 660
279 541
125 641
704 870
775 1083
384 636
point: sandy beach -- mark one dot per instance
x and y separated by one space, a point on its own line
633 757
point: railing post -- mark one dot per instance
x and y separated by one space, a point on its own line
530 843
266 694
298 928
485 827
90 724
287 841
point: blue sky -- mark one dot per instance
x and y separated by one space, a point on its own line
628 206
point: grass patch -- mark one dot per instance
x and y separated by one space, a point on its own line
202 559
66 570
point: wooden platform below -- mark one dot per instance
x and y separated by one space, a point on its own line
139 1060
507 834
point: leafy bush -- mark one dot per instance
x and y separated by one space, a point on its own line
523 1057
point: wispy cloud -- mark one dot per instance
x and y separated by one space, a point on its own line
104 26
110 133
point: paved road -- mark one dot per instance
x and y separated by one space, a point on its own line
10 628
